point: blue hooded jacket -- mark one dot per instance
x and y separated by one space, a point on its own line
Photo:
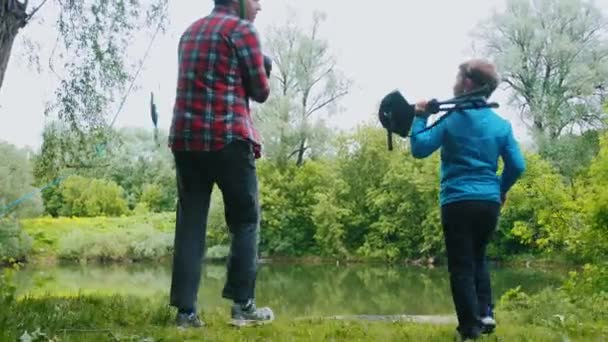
471 142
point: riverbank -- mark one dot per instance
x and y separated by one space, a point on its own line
577 309
120 318
143 238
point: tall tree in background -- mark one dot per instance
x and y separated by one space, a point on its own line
306 84
90 56
553 55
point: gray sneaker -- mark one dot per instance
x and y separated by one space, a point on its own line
185 320
249 314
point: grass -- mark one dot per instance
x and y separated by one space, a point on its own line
123 318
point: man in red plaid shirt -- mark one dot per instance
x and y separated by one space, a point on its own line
221 67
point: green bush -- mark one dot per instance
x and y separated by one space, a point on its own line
17 180
218 252
87 197
364 201
582 298
592 280
14 242
288 198
141 242
217 230
152 197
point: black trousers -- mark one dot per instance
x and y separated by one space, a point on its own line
233 170
468 227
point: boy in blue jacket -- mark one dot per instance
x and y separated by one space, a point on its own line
471 192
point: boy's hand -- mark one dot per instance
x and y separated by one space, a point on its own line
420 108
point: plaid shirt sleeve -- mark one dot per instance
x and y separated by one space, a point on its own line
249 52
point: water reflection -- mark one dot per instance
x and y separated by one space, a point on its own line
291 289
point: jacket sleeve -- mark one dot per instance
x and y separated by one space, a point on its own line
425 143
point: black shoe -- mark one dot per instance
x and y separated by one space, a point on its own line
188 320
468 334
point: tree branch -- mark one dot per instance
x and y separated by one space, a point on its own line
35 10
53 54
315 81
297 151
325 103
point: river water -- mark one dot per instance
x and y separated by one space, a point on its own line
297 290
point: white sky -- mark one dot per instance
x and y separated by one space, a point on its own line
416 47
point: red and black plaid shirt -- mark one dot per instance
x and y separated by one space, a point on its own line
221 66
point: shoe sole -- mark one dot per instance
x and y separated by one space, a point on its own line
189 326
248 323
488 329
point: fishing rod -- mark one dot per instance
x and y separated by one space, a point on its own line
396 114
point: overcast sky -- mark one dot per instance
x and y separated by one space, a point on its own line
415 47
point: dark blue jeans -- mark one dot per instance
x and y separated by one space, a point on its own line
233 170
468 227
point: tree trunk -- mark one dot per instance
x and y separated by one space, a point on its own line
12 18
301 151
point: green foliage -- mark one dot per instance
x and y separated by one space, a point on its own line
7 286
368 202
406 206
217 230
288 196
218 252
571 154
591 281
86 197
65 150
364 202
141 242
14 242
579 305
128 238
391 196
94 45
308 88
152 197
132 160
135 162
550 54
47 232
539 213
16 180
592 242
329 219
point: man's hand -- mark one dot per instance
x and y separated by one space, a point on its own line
267 65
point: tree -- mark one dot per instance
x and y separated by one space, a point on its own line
86 197
64 150
16 180
13 17
554 58
91 48
571 154
131 158
305 83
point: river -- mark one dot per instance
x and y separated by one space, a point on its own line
296 290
